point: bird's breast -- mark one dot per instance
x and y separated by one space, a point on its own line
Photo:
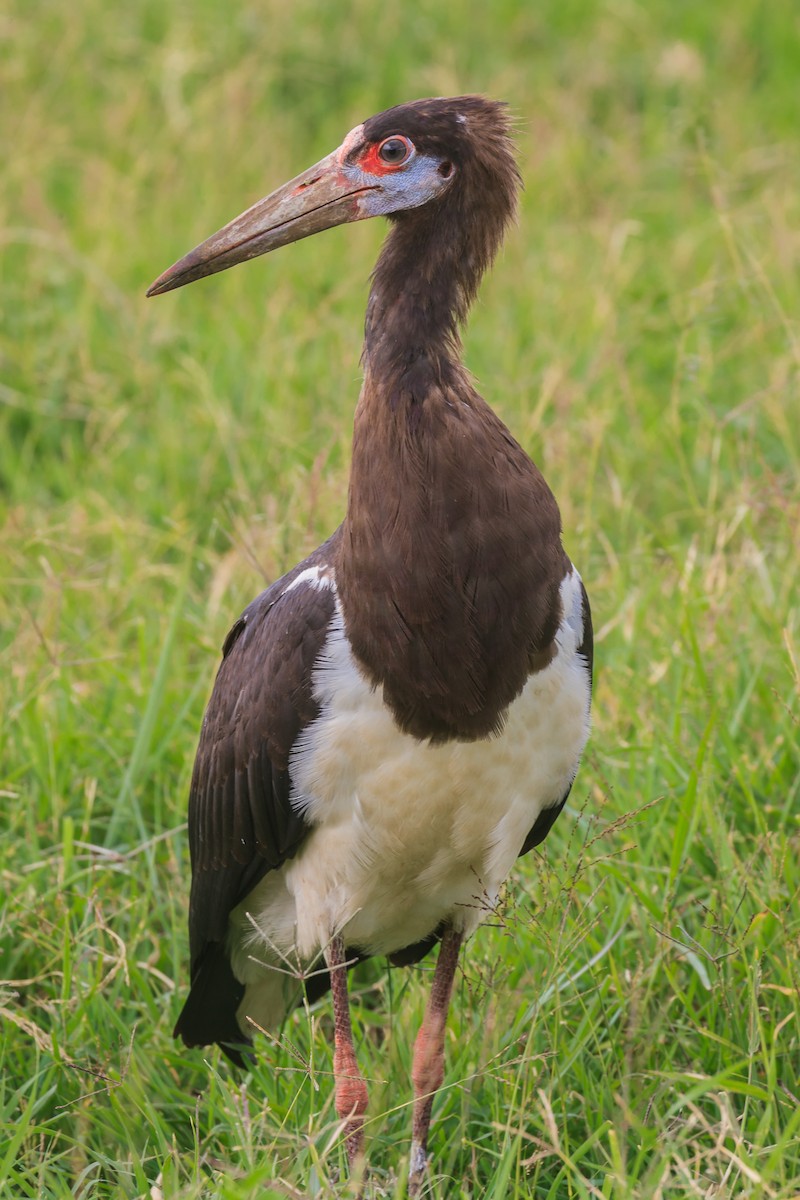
406 833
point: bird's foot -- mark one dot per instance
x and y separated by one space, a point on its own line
354 1141
356 1161
417 1167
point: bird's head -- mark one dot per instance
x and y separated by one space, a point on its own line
404 159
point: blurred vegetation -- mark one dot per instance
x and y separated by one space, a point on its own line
630 1027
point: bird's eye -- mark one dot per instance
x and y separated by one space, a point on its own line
395 151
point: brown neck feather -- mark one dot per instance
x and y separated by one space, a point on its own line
451 557
432 262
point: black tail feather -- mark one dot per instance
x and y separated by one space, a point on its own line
209 1014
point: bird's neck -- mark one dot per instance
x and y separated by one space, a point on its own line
450 556
423 284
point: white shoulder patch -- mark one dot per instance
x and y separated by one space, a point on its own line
571 631
316 577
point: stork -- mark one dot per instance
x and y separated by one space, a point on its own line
402 715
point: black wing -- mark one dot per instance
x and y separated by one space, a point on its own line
241 821
546 819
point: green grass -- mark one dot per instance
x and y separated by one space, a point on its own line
628 1025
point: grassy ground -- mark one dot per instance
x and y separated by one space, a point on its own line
628 1026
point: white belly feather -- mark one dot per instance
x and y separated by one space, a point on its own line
406 834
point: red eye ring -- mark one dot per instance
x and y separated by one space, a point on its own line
394 151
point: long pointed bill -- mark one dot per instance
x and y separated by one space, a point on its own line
318 199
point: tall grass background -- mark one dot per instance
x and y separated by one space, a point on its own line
627 1025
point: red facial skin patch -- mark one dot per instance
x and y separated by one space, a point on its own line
373 164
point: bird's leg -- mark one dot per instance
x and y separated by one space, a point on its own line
427 1071
351 1090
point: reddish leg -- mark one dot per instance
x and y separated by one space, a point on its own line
351 1090
428 1069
